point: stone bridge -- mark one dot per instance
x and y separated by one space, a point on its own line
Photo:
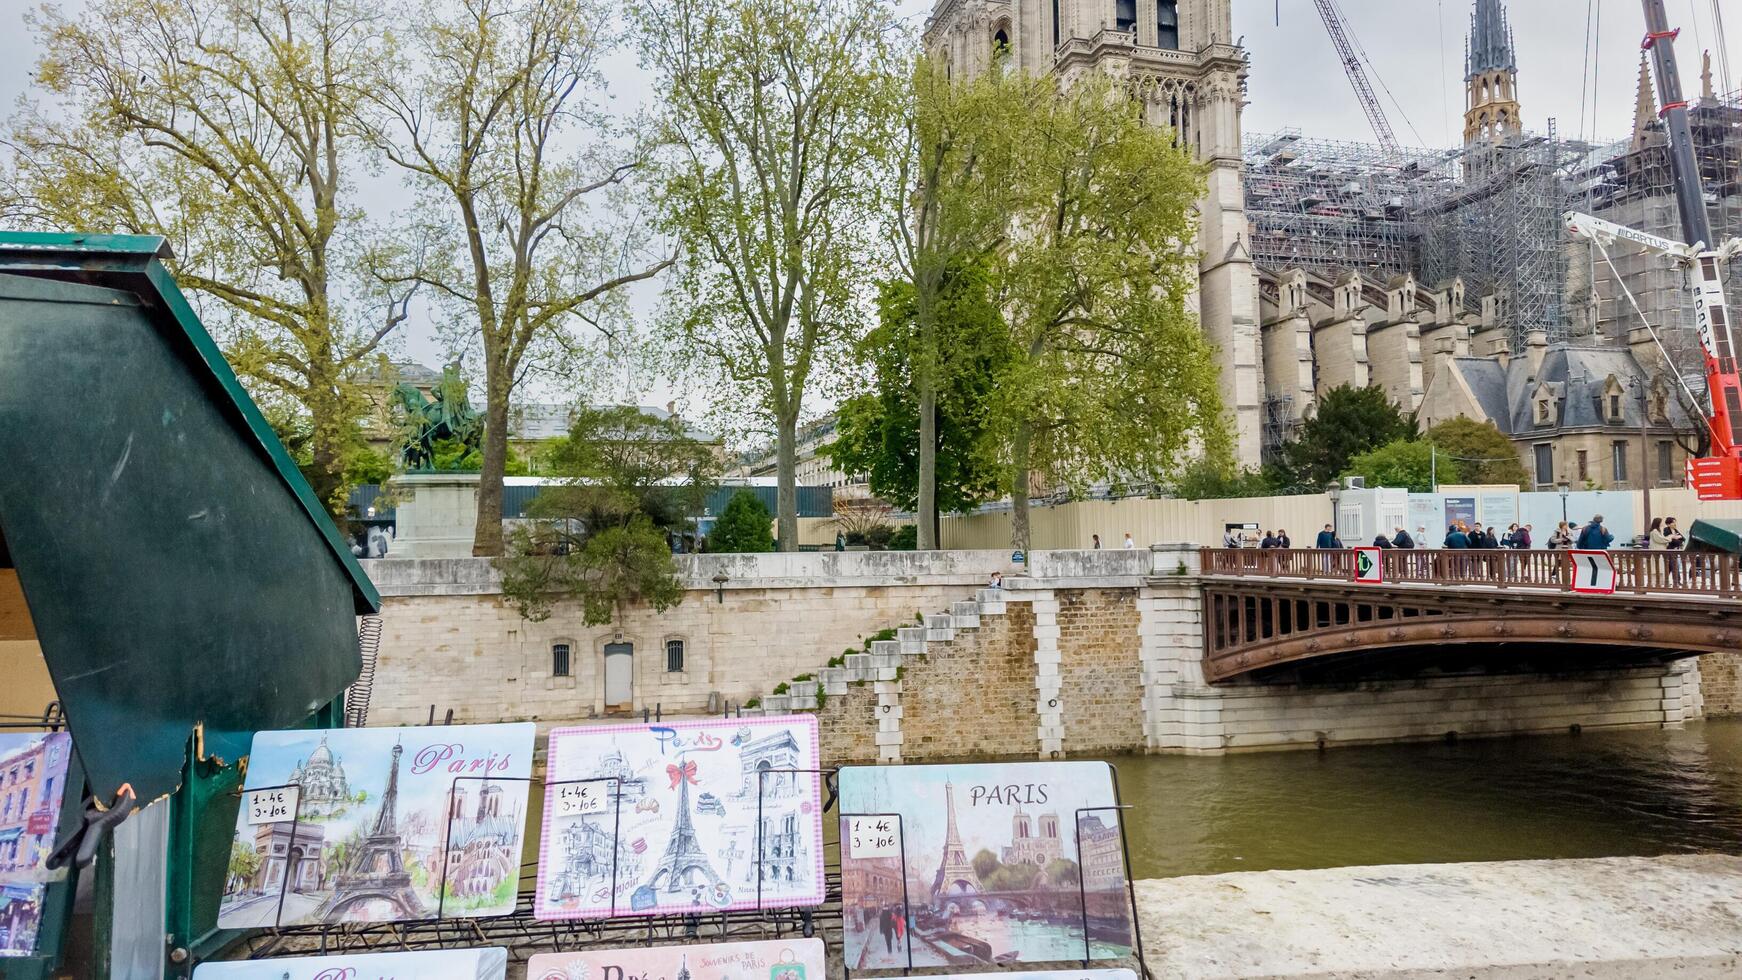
1279 615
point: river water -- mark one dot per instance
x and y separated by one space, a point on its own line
1596 794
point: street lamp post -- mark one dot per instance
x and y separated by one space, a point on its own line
1562 487
1335 492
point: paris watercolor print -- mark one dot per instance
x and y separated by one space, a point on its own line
786 959
655 819
379 825
1003 864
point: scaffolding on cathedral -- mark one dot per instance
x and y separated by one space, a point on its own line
1488 214
1331 206
1496 224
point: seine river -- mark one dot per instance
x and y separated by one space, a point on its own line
1596 794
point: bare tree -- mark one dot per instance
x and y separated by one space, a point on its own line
231 128
501 116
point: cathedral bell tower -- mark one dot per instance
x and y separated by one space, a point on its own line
1490 77
1183 60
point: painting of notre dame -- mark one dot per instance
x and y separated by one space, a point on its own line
379 825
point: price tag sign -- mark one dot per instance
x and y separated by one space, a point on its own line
270 805
874 837
576 799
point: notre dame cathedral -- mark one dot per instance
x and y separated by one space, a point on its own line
1182 56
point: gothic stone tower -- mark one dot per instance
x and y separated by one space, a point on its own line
1490 77
1181 56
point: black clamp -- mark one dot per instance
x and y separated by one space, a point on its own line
80 847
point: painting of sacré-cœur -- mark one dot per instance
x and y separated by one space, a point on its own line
1004 864
379 825
682 817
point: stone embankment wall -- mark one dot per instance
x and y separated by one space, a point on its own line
1092 653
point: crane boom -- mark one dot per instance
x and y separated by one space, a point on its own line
1717 476
1333 19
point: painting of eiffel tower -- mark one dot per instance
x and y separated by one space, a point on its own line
955 873
683 863
376 870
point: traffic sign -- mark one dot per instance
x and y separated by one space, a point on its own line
1593 571
1368 567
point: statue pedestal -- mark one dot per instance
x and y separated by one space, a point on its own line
438 516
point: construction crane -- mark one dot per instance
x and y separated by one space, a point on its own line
1717 476
1333 19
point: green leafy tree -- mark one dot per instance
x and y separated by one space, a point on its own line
498 113
961 154
1349 421
1113 380
743 526
1062 873
244 861
233 130
1017 877
1482 452
1405 463
629 482
778 119
878 433
1216 479
985 862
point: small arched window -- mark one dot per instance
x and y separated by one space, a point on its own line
559 660
674 656
1001 42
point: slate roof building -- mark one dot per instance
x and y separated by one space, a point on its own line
1589 416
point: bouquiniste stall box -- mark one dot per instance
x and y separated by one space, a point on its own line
447 964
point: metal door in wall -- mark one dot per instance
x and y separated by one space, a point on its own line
619 676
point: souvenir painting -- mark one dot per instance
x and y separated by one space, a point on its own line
1004 864
33 776
696 816
794 959
379 825
446 964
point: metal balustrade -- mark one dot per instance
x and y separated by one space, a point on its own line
1636 572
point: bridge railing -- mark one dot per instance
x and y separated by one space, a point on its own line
1682 572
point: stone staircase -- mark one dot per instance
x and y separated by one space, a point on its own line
881 666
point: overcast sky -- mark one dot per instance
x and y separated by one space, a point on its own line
1583 79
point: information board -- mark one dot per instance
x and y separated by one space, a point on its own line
33 770
790 959
1003 863
385 824
489 963
684 817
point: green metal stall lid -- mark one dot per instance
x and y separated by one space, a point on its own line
178 569
132 262
1718 534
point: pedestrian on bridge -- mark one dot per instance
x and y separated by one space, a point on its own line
1282 540
1403 540
1270 541
1456 538
1659 541
1562 537
1328 539
1595 537
1381 541
1521 539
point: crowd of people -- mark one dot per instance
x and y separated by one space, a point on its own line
1593 535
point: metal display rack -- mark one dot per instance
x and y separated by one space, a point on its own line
524 935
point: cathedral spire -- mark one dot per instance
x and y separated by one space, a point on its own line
1644 108
1489 47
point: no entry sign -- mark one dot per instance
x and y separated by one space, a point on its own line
1593 571
1367 566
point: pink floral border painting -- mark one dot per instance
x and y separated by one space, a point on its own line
662 818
